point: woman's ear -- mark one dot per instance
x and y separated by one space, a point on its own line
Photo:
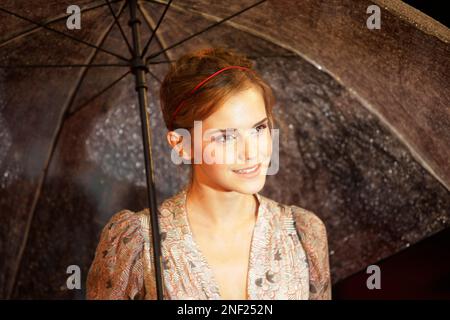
177 143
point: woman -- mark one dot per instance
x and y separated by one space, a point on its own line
220 238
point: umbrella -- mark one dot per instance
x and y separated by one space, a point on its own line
364 146
139 64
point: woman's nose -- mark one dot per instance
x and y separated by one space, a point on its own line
248 148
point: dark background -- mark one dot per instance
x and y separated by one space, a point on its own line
433 8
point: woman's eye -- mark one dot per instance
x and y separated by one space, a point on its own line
224 138
261 128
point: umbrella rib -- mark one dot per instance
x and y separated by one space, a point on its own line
214 18
63 34
149 21
43 176
62 65
183 9
153 1
100 43
154 76
109 86
156 28
116 21
204 30
32 29
158 62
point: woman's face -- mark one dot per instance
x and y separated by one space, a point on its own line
235 137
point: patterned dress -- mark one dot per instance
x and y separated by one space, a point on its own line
288 256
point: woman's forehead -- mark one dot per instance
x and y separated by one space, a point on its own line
241 110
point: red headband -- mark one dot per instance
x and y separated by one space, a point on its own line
198 86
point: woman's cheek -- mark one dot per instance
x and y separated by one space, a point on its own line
265 146
220 171
225 153
209 153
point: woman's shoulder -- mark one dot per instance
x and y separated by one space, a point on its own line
126 226
313 237
304 219
309 225
308 222
117 269
313 234
124 219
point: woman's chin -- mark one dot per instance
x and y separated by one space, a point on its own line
249 186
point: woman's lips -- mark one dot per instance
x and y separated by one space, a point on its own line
249 172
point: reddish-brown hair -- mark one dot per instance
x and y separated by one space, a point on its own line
190 69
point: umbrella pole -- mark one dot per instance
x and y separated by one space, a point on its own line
139 69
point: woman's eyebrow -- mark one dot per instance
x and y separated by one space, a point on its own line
232 129
260 122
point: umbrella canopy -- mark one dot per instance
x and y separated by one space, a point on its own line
351 150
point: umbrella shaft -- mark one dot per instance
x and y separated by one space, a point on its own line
139 70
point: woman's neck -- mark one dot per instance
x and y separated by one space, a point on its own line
225 210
